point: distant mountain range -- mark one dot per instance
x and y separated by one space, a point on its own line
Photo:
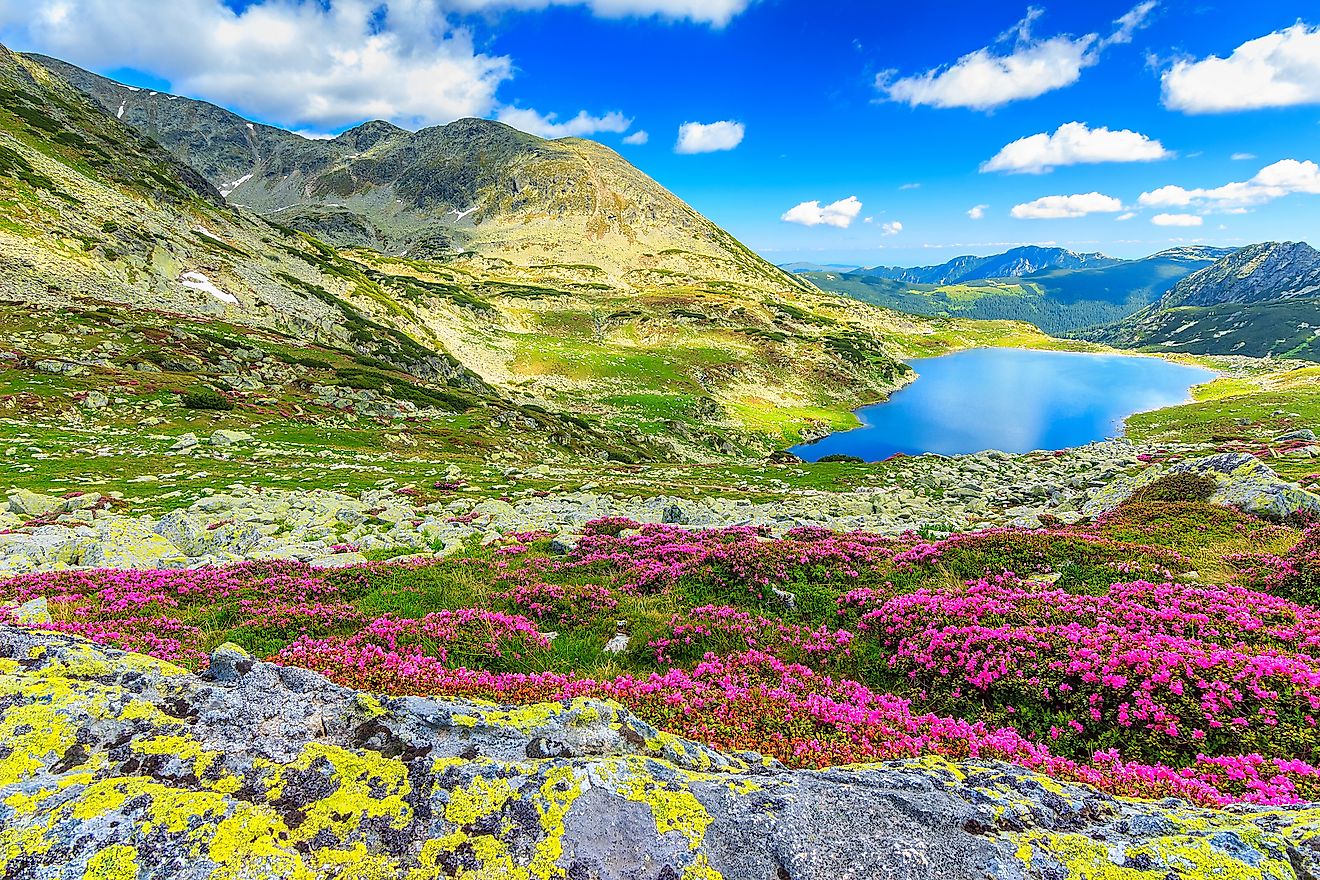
1263 299
1011 264
1058 290
798 268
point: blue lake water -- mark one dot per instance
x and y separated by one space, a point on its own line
1011 399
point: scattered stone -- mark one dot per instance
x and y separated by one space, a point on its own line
617 644
187 441
225 437
1304 435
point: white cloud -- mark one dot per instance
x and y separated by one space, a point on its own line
547 126
308 64
1177 220
637 138
1126 215
987 78
1060 207
299 63
976 212
1281 69
1271 182
709 137
1074 143
1242 157
907 186
813 213
893 228
713 12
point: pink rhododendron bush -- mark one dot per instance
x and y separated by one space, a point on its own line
1166 649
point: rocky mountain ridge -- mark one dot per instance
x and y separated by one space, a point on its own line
1260 300
1013 263
472 185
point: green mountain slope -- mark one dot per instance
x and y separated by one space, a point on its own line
1261 300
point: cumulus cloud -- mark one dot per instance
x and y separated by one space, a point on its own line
1271 182
300 63
891 228
1074 143
991 77
548 126
1126 215
637 138
1177 220
712 12
308 64
1061 207
841 213
709 137
976 212
1281 69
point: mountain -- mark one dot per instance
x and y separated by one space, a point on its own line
1010 264
1261 300
1058 300
800 267
570 206
551 292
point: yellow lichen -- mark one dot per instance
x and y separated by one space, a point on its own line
115 862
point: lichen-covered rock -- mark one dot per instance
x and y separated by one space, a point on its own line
32 504
117 765
127 543
1242 481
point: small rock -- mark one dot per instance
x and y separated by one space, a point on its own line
225 437
187 441
617 645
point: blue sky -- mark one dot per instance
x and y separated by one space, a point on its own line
831 103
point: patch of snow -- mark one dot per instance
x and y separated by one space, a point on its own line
154 94
230 187
459 215
198 281
171 97
130 88
250 128
120 114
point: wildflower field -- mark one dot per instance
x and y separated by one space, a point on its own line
1168 648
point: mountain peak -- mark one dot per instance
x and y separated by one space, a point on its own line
1270 270
368 134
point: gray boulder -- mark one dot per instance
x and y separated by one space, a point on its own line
1242 481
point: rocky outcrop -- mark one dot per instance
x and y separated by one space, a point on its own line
116 765
1242 481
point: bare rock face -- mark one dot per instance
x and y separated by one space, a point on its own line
116 765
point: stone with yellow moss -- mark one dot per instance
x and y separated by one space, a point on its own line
116 766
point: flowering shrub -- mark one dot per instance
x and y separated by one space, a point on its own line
1169 671
1093 662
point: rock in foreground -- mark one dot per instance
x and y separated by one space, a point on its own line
116 765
